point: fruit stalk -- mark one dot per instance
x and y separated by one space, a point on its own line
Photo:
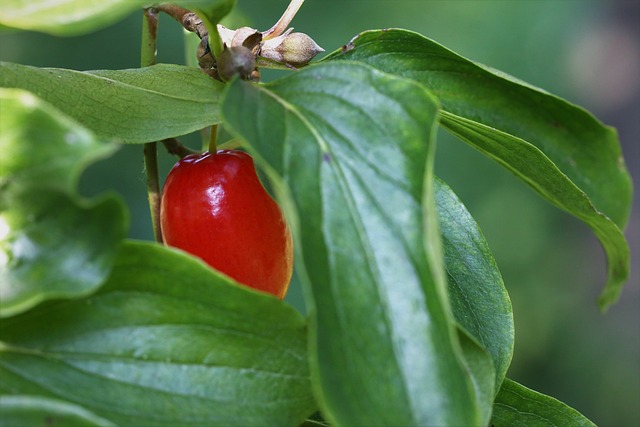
213 139
150 149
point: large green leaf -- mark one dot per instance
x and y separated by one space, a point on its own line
479 299
350 150
166 341
74 17
518 406
556 187
21 411
66 17
559 149
51 245
136 105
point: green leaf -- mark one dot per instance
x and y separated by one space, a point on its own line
479 300
560 150
480 367
350 150
55 247
68 17
51 245
40 145
21 410
315 420
556 187
75 17
5 29
214 10
166 341
314 423
516 405
136 106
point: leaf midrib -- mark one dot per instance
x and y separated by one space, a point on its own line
369 257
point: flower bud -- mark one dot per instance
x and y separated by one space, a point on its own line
237 60
226 35
244 36
290 49
247 37
203 53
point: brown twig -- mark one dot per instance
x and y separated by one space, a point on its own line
189 20
192 23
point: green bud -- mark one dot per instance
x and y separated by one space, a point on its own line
291 49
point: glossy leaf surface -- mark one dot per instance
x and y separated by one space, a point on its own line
55 247
350 150
166 341
479 300
51 245
21 410
135 106
516 405
559 149
75 17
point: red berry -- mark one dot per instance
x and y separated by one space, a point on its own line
214 207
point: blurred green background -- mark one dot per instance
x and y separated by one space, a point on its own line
585 51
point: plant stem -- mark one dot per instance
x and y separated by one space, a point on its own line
149 43
213 139
215 42
189 20
150 150
153 186
211 46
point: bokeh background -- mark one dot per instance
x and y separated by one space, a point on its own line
585 51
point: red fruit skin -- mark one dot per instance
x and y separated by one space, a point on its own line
214 207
